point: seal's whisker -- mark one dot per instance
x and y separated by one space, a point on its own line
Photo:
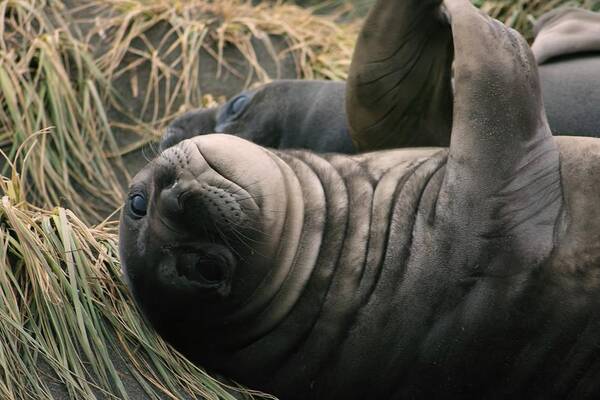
229 246
154 148
248 227
274 211
254 197
145 155
241 239
233 229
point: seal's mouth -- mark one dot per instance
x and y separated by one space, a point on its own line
208 267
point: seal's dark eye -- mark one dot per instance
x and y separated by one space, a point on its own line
137 204
238 104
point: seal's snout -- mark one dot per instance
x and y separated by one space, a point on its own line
190 198
197 190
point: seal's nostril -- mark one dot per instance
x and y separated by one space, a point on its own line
176 199
170 201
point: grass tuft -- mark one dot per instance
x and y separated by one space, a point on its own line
50 84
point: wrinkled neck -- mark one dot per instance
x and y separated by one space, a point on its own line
286 272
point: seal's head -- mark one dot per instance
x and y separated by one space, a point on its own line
200 231
284 114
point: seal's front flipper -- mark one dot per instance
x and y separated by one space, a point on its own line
503 165
399 89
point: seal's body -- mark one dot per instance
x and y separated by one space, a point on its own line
567 48
571 87
371 285
466 272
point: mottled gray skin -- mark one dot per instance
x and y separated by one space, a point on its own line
466 272
284 114
567 48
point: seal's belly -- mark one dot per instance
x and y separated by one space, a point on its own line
345 313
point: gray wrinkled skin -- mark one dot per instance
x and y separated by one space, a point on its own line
466 272
567 47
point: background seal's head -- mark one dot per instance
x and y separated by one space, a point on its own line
200 231
283 114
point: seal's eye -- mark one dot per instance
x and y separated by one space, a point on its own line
137 204
238 104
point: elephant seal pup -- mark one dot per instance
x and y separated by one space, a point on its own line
567 48
467 272
281 114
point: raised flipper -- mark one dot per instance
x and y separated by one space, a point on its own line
399 89
502 184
